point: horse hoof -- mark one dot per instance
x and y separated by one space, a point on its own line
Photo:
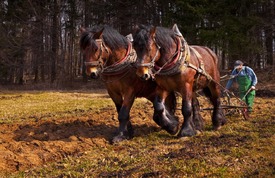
122 136
218 127
173 130
187 133
223 121
119 138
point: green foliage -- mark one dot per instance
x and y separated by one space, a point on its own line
233 26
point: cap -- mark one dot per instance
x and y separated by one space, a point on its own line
237 63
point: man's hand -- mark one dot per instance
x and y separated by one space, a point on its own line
225 90
253 88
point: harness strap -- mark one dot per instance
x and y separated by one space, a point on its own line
199 70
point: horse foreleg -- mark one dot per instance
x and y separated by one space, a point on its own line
125 130
162 116
187 128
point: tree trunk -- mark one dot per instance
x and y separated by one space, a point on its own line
54 40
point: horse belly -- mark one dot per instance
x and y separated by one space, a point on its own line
201 82
145 88
170 83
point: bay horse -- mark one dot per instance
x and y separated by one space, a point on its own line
110 55
163 54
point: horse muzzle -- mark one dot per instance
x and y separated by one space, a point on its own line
93 72
143 73
145 77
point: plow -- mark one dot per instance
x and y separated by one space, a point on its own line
231 104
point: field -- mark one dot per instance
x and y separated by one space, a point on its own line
67 134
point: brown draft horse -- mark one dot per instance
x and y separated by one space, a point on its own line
110 55
164 55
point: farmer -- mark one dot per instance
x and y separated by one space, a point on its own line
247 80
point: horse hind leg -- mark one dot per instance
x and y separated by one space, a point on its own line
197 118
171 103
218 117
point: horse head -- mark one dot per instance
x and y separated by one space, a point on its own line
95 52
156 48
147 50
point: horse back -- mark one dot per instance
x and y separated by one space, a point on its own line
205 58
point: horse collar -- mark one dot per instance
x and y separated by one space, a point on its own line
119 67
173 60
129 49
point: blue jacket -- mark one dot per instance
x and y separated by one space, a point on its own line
246 71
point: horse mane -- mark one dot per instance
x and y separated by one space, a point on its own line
141 36
164 36
112 38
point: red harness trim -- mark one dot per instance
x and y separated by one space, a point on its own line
170 64
126 56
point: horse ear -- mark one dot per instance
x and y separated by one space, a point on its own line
98 35
82 30
136 29
130 37
153 31
176 30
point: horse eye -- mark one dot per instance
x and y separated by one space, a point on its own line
95 48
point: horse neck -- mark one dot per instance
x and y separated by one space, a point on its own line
116 55
167 55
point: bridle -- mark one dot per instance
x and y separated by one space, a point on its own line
151 64
117 66
99 63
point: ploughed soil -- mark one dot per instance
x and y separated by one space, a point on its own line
28 144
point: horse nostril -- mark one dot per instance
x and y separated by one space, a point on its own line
94 75
145 77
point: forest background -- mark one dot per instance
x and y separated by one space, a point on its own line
39 40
